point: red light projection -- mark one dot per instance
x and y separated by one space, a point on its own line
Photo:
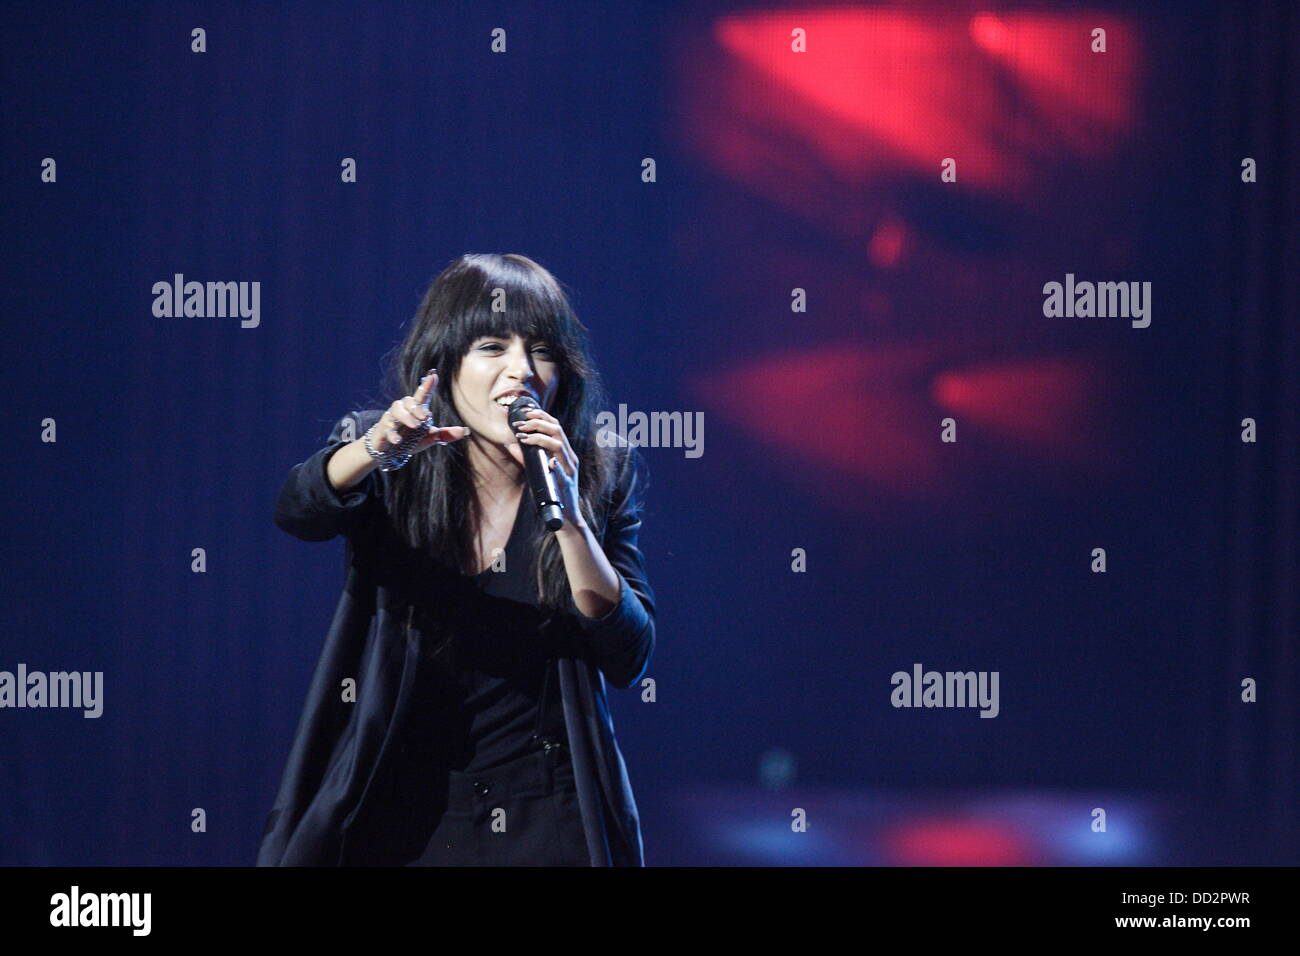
957 843
929 290
872 415
1010 96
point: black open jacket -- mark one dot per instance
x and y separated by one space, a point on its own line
340 802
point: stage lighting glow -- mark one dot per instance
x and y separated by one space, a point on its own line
936 841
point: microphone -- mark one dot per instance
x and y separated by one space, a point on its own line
540 478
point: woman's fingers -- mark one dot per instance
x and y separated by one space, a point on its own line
539 430
550 426
544 429
443 436
547 426
418 411
450 433
537 438
551 445
409 414
399 414
426 385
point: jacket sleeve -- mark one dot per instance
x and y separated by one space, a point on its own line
622 642
309 507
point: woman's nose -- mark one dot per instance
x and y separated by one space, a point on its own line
521 365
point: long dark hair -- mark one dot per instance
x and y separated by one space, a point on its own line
432 498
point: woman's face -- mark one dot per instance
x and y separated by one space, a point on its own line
495 367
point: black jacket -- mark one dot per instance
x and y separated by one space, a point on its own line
338 801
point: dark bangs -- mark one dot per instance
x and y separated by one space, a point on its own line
528 315
458 310
433 504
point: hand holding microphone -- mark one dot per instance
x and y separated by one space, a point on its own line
550 464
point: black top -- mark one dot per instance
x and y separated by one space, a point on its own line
499 663
356 790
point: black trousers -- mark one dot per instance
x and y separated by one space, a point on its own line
522 813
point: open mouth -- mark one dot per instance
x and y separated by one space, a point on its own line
506 401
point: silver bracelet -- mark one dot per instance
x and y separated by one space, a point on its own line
386 459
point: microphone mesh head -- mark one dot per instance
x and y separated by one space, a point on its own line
519 408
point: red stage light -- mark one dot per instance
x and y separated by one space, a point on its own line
957 843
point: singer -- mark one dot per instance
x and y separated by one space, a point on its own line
458 714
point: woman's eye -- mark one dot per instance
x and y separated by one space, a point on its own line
495 345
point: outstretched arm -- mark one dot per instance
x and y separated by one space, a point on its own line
310 507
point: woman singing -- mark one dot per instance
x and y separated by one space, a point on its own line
458 715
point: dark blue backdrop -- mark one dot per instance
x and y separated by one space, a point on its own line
1119 690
